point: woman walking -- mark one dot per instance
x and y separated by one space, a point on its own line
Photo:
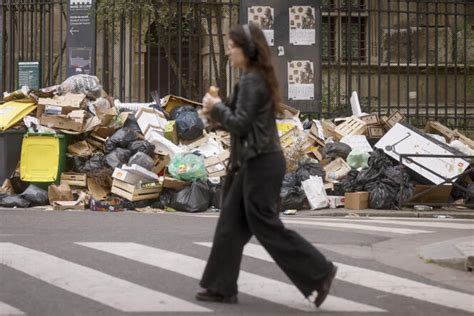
253 182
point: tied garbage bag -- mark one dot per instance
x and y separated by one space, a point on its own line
165 199
83 165
13 201
470 194
143 146
188 124
335 150
143 160
357 159
36 195
193 198
85 84
117 157
121 138
187 167
291 194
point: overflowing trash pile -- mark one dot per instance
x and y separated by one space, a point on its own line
72 146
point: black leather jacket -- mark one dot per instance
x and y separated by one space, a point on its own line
250 118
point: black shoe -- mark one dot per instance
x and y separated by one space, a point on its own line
209 296
324 290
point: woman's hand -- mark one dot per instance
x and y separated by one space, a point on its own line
209 102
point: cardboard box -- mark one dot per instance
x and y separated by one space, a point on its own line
405 139
216 165
172 101
61 104
439 194
394 118
128 177
336 201
150 118
375 131
171 132
161 163
73 121
172 183
356 200
162 145
60 192
370 119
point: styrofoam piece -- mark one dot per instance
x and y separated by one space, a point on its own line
141 172
355 105
163 146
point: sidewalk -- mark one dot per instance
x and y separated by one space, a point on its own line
436 213
455 253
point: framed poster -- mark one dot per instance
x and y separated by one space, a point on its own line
295 42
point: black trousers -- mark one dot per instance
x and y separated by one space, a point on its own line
250 208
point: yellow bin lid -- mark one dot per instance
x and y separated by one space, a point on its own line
39 158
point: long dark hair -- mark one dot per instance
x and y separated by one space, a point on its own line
259 56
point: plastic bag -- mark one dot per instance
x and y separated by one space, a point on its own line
82 165
118 157
142 160
121 138
307 169
143 146
315 192
14 201
36 195
291 194
216 193
132 124
335 150
188 124
187 167
192 199
357 159
165 199
470 194
85 84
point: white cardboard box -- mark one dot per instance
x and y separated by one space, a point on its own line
405 139
162 145
148 117
141 172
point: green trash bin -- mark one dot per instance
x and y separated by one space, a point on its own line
10 150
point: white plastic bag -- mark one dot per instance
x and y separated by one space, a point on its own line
315 192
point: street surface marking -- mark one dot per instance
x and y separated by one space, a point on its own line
419 223
6 309
92 284
403 231
249 283
384 282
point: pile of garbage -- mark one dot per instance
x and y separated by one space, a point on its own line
82 149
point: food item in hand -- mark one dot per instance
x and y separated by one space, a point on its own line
214 91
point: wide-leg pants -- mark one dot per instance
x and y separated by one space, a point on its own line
250 208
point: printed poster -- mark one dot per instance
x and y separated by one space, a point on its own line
263 16
300 80
302 25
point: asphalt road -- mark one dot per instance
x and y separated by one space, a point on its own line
89 263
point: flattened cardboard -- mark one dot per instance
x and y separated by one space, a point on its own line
172 183
80 149
60 192
172 101
66 104
73 121
98 192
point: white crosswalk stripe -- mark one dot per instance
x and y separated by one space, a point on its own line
382 229
92 284
418 223
255 285
9 310
384 282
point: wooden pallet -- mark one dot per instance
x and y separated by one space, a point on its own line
135 193
74 179
352 126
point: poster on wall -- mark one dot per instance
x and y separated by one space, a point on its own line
263 16
300 80
302 25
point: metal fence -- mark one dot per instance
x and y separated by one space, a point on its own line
412 56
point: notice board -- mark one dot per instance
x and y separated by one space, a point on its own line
28 74
293 32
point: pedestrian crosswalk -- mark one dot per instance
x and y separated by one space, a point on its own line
124 293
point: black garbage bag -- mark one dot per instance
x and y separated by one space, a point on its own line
143 146
165 199
132 124
188 124
385 191
193 198
216 194
307 123
346 184
396 175
120 138
142 160
292 196
381 195
14 201
305 170
335 150
36 195
470 194
84 165
377 163
117 157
